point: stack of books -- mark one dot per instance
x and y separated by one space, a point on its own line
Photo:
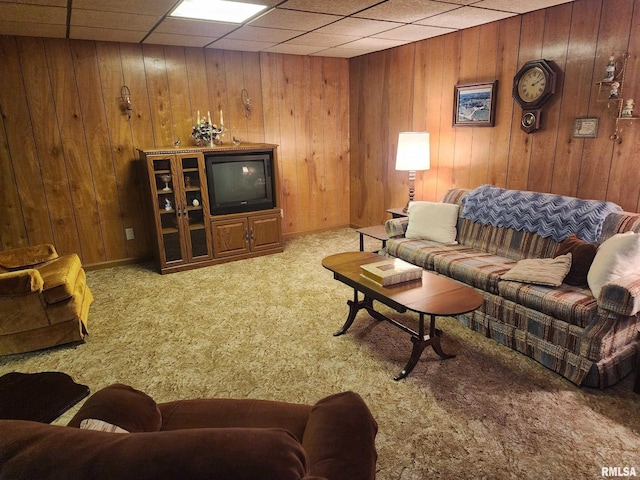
391 271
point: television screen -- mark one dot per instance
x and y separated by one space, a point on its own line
239 184
239 181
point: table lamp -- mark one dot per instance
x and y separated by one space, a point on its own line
413 154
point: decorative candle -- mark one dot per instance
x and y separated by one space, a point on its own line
198 119
209 116
221 122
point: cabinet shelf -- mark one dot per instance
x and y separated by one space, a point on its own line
169 230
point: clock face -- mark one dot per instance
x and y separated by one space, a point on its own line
532 85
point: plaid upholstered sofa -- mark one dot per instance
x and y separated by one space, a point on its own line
590 341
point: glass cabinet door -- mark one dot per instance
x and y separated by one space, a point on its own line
195 207
167 204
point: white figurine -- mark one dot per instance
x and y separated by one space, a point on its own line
614 90
611 70
195 202
627 111
167 204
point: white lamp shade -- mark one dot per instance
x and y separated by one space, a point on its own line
413 151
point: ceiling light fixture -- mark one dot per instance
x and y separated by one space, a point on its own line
217 10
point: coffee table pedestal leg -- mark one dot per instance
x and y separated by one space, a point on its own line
356 305
420 342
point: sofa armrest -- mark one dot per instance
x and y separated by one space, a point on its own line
27 256
339 438
21 282
621 296
396 227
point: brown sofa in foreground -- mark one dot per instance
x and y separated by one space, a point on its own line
44 299
196 439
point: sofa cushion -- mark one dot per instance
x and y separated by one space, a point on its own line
616 257
540 271
478 269
60 277
582 255
121 405
34 450
234 412
432 221
420 252
573 305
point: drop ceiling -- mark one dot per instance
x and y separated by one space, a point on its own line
331 28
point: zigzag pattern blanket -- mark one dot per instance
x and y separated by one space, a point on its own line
546 214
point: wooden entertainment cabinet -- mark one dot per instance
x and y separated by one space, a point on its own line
187 235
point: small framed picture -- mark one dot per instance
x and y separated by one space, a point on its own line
474 104
585 127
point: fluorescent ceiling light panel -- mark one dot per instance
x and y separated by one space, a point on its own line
217 10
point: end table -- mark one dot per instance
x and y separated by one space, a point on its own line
377 231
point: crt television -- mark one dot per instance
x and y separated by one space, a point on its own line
239 182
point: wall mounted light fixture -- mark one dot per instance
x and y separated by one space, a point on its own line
125 97
246 102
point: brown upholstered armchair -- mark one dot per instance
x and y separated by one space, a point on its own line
44 299
214 438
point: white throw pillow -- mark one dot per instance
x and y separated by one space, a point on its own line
617 257
101 426
433 221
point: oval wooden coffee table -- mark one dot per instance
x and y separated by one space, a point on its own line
431 295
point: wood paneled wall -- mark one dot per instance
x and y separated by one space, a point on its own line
410 88
69 173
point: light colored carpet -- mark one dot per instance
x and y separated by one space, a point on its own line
262 328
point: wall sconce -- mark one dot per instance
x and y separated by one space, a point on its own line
125 97
246 102
413 154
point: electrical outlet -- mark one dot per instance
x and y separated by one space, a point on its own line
129 233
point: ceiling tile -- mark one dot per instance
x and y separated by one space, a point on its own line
338 52
462 2
465 17
159 38
358 27
339 28
260 34
413 33
155 8
371 43
294 20
185 26
244 45
27 29
13 12
293 49
114 20
268 3
105 34
322 39
48 3
518 6
336 7
406 11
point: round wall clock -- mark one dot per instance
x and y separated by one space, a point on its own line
533 86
